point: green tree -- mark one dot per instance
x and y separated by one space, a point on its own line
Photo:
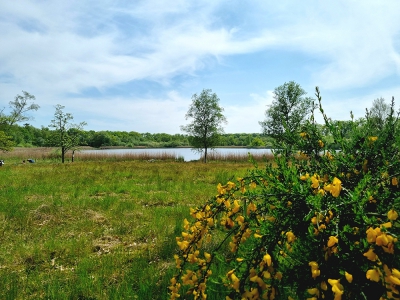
288 111
379 112
18 113
207 117
6 142
257 142
66 135
19 108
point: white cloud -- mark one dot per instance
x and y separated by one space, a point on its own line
58 48
246 117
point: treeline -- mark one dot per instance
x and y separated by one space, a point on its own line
29 136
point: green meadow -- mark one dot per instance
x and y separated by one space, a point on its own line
97 229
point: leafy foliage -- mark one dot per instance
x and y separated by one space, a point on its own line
66 135
287 113
19 108
316 224
205 128
18 113
6 142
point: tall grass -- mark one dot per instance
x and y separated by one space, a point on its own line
97 231
82 156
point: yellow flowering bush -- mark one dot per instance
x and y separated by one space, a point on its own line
321 226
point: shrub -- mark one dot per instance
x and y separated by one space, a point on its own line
322 223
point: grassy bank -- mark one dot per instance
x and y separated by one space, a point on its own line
91 230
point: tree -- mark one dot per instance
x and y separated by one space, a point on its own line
19 107
379 112
6 142
205 128
66 135
287 113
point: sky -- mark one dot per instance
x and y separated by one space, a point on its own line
135 65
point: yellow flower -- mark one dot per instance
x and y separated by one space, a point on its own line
382 240
250 208
313 291
396 273
253 185
395 181
329 155
304 177
236 206
278 275
315 181
315 272
320 143
303 134
370 254
348 276
337 288
394 280
336 187
372 138
267 259
221 189
290 237
371 235
373 275
392 215
230 185
332 241
207 256
183 245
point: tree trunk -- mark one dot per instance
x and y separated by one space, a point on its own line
63 154
205 155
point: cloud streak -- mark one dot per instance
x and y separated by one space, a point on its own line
57 49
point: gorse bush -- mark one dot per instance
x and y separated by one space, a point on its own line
320 223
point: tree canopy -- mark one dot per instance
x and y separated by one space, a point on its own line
287 113
207 119
18 113
66 134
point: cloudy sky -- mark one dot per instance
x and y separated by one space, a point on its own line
134 65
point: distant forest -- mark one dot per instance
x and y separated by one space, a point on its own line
29 136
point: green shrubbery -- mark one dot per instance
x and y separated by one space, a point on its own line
318 223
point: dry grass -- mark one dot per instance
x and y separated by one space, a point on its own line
237 157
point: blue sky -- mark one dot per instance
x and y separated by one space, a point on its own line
134 65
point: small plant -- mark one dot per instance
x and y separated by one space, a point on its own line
318 224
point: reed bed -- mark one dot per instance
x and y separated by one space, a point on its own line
50 154
37 154
143 156
237 157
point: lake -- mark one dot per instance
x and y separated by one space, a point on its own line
187 153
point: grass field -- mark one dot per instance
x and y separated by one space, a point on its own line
97 230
